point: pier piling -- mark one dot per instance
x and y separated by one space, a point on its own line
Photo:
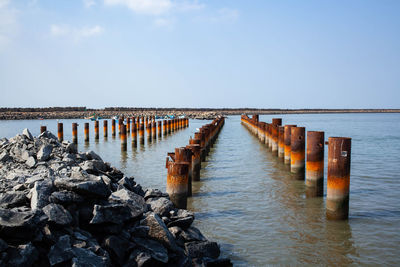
177 183
75 133
60 131
86 132
315 164
297 155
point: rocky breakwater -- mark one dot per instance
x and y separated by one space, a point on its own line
59 207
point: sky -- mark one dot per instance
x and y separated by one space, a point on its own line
195 53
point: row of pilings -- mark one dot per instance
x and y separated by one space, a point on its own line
137 127
303 153
184 165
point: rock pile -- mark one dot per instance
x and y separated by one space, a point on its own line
59 207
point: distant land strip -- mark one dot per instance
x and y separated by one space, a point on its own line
195 113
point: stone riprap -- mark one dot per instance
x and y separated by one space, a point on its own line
59 207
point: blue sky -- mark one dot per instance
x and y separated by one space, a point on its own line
168 53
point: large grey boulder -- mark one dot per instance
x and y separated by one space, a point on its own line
202 249
117 247
161 205
95 188
44 152
159 231
61 251
86 258
135 202
182 218
24 256
57 214
27 134
12 199
156 249
18 225
66 197
113 213
40 194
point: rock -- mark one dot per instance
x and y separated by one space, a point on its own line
86 258
134 201
61 251
140 259
26 255
140 231
151 193
12 199
3 245
31 162
57 214
71 148
112 213
162 206
183 219
95 188
128 183
65 197
192 234
117 248
92 166
28 134
159 231
92 155
17 225
44 152
202 249
157 251
40 194
4 156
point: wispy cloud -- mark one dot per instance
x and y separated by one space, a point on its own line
89 3
222 15
76 34
8 23
150 7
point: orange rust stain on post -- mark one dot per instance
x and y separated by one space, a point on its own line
196 161
60 131
281 143
159 128
183 154
113 127
297 156
177 183
96 130
128 125
134 134
75 133
43 129
315 164
154 129
123 138
338 180
120 122
287 135
105 128
86 132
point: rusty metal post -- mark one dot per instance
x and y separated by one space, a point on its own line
124 143
60 131
274 134
281 143
148 131
120 123
159 129
113 127
43 129
287 137
338 181
297 155
134 134
141 133
74 132
266 129
200 136
165 127
154 129
183 154
315 164
196 161
105 128
177 183
277 121
86 132
128 125
96 130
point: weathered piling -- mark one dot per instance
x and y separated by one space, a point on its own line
154 129
287 138
86 132
315 164
124 143
43 129
297 155
75 133
134 134
183 154
177 183
105 128
281 143
120 123
338 181
128 125
159 129
200 136
196 160
96 130
60 131
113 127
148 131
165 127
274 139
141 133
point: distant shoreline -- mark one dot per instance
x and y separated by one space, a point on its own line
195 113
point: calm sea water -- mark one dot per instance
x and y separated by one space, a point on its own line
247 201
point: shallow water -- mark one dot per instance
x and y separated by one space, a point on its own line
247 201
